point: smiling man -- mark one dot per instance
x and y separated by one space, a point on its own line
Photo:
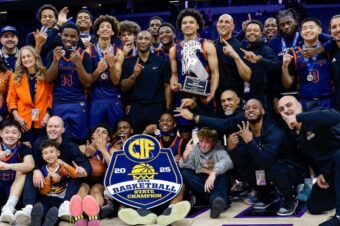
263 63
167 35
187 58
232 69
311 75
9 41
70 71
270 28
84 23
146 76
317 133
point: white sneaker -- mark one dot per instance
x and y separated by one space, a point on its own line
23 216
64 211
7 214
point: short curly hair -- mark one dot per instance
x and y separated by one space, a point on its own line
129 26
190 12
106 18
47 6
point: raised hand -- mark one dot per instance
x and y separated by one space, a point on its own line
244 23
245 132
137 68
229 50
110 57
75 57
184 112
127 48
188 149
62 16
287 58
58 52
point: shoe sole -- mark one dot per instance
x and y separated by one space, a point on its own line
22 219
217 208
179 211
51 217
288 214
76 206
90 206
131 217
266 206
37 214
7 219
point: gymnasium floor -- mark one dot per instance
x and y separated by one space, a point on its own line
238 214
238 210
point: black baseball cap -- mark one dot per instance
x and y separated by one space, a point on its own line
8 28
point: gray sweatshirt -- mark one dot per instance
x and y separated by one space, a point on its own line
217 159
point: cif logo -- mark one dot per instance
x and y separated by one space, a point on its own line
141 148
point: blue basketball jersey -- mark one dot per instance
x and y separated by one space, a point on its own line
314 75
102 88
175 146
12 156
67 87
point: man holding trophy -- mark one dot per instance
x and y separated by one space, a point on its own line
194 67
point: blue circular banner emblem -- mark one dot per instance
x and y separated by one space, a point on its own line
141 148
143 175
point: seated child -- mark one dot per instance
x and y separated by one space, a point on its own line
204 166
56 174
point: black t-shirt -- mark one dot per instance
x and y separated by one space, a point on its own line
149 85
229 76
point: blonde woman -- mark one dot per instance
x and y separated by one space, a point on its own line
29 96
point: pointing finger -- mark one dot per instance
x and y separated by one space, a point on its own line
243 50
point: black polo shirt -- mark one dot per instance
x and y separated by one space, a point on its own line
335 62
229 76
149 85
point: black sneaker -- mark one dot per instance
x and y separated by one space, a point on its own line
37 214
263 204
108 211
289 207
334 221
51 218
174 213
217 207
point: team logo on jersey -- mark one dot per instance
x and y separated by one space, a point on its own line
143 175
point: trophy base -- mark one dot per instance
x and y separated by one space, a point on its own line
194 93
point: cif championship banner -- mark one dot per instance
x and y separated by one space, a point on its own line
143 175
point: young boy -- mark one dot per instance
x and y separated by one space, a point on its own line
204 166
56 173
15 161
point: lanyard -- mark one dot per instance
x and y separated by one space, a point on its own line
8 151
99 50
310 62
284 44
